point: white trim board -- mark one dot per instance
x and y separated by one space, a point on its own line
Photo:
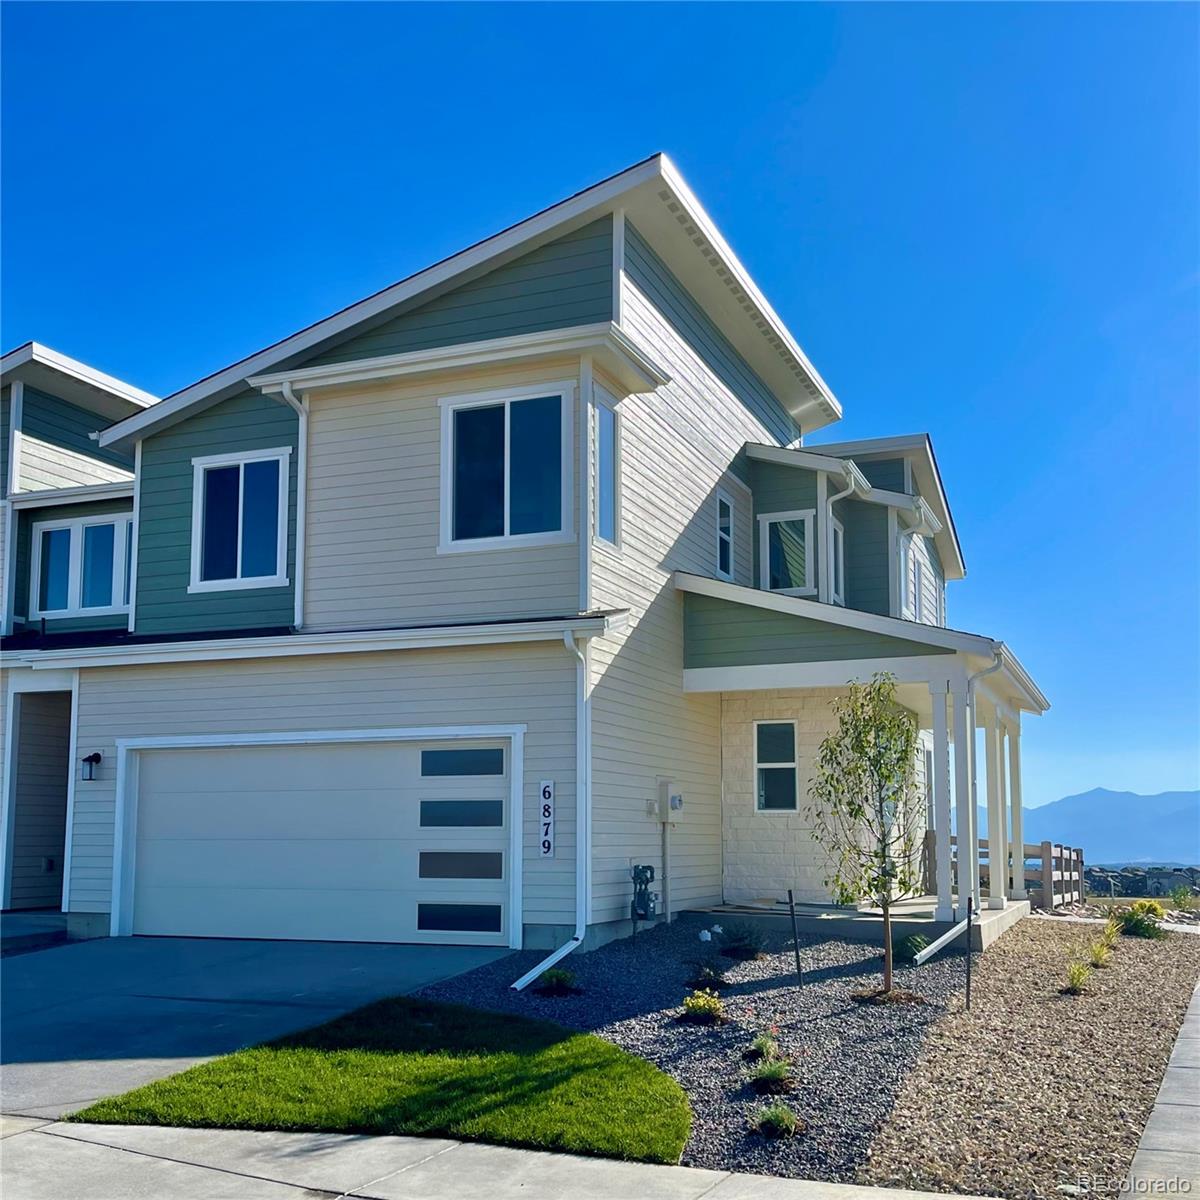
128 749
34 353
86 494
935 668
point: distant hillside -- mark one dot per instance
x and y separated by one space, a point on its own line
1120 827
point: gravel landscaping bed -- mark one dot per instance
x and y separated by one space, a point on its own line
1033 1092
851 1060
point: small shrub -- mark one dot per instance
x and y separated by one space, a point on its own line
1182 898
745 943
907 948
777 1121
1141 923
764 1048
1111 931
707 974
556 982
772 1076
1148 908
1099 953
1078 973
703 1007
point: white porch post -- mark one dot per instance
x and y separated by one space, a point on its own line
968 848
997 840
1018 816
941 803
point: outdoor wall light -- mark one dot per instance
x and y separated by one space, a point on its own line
89 765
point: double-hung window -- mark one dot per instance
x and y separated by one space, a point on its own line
838 541
724 536
506 469
608 458
239 520
785 552
775 766
81 567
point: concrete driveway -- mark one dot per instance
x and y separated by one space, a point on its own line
97 1018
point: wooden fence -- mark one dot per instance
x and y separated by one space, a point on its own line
1053 874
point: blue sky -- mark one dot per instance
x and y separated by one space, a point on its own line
979 221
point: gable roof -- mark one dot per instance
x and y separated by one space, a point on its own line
73 381
917 450
654 196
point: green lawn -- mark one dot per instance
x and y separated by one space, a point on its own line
412 1067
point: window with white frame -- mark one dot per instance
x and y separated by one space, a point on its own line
80 567
724 535
775 766
918 589
506 469
838 541
786 552
608 455
239 520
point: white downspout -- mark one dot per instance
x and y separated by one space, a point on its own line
997 662
830 501
301 496
583 815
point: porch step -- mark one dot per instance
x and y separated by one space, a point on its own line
22 943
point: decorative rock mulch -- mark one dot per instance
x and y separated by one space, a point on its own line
850 1060
1101 912
1032 1093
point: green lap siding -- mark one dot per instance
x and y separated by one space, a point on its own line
566 282
164 555
60 423
650 275
887 474
867 556
23 563
722 633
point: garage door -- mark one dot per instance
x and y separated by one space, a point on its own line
370 842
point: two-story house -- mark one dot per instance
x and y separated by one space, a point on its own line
430 621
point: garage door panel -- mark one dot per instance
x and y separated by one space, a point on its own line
322 842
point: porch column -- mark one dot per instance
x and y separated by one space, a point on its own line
941 803
997 822
1018 816
964 759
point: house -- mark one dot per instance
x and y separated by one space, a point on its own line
430 621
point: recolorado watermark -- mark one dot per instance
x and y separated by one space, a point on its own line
1112 1185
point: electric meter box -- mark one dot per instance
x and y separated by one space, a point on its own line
670 801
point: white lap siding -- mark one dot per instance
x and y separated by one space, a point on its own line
531 684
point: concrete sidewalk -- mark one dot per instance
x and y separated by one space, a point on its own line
128 1162
1169 1151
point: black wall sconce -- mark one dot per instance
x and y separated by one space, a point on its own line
89 765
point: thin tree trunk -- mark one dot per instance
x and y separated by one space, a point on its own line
887 944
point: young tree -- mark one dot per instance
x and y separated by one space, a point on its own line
863 803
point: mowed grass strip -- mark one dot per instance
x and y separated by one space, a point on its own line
406 1066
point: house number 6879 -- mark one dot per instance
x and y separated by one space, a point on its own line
546 812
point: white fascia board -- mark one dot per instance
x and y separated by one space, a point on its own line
805 459
919 668
505 242
834 614
302 645
73 495
35 352
1013 669
611 347
904 443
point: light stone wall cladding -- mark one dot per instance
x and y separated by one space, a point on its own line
765 853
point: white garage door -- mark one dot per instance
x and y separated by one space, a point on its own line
366 842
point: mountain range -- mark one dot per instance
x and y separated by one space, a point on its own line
1116 828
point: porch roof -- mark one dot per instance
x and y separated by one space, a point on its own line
740 639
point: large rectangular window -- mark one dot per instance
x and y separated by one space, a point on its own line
775 766
505 470
80 567
607 456
786 552
239 520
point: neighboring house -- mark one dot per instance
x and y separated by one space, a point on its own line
449 609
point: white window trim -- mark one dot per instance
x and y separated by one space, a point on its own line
281 454
604 401
905 570
555 537
794 765
918 588
74 608
837 539
765 520
724 497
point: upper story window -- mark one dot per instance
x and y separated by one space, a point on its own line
785 551
608 453
239 520
80 567
838 539
724 536
506 466
918 589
